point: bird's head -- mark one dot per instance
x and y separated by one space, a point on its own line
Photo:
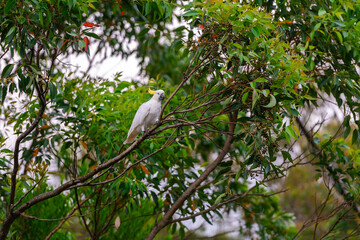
158 94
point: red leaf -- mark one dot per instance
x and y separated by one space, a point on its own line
146 171
35 152
193 205
44 127
130 192
201 26
89 24
122 13
84 145
286 23
86 40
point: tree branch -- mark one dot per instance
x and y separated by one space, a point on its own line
17 147
66 218
192 188
233 199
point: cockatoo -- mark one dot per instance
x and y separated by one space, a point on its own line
147 115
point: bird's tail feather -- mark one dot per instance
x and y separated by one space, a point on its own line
131 137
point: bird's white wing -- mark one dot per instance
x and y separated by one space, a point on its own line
140 115
138 122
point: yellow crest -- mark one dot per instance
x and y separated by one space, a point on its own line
151 91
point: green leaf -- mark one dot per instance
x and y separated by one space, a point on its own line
71 3
191 13
53 90
317 176
321 12
3 92
7 71
347 132
339 37
255 31
291 132
81 44
6 188
41 18
74 34
9 5
244 97
296 129
267 168
286 155
147 8
218 199
223 38
122 85
182 232
338 14
272 102
309 97
237 45
317 26
92 35
155 198
12 29
226 164
5 150
255 97
265 92
238 174
92 6
355 136
261 80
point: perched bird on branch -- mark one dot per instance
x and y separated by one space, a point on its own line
147 115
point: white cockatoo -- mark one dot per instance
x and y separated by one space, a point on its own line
147 115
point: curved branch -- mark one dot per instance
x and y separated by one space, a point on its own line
41 197
192 188
17 146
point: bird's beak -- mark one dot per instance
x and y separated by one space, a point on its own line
162 97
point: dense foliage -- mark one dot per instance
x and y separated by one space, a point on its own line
241 81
